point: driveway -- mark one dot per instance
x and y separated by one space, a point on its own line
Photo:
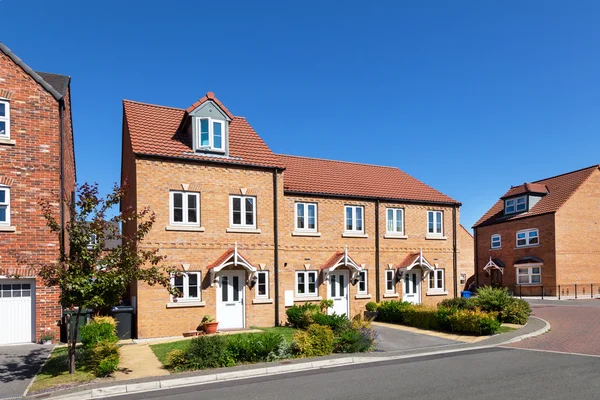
575 327
18 366
396 340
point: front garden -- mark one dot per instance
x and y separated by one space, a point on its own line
482 315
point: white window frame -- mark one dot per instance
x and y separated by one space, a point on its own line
307 292
528 237
211 137
354 208
365 281
463 279
186 287
6 205
184 205
438 215
305 205
394 220
242 223
390 275
499 240
517 204
529 274
435 275
266 275
6 119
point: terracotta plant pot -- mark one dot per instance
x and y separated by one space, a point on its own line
210 327
190 333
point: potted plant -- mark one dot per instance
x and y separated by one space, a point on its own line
47 338
209 325
371 312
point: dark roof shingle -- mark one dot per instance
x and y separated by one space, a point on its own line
60 83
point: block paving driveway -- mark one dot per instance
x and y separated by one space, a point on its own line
575 327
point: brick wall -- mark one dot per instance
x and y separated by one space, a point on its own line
466 258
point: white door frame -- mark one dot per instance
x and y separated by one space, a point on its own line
346 275
417 286
32 297
220 305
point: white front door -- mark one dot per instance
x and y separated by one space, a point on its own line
412 286
17 310
230 300
338 292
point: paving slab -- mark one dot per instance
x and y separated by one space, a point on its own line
138 361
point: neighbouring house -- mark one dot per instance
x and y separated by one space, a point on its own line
37 163
466 259
543 238
255 232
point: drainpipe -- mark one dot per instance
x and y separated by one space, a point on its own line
276 244
454 256
61 117
377 284
476 259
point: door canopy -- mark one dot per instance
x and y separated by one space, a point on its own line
231 258
415 260
341 259
494 264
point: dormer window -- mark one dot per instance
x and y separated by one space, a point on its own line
210 134
515 205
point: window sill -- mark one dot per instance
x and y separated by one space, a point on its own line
307 298
262 301
209 150
354 235
242 230
8 228
527 247
394 236
186 304
183 228
436 293
390 295
362 296
529 284
8 142
497 248
435 237
308 234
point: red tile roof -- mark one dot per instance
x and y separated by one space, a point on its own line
560 188
154 130
209 96
335 259
537 188
328 177
408 260
226 256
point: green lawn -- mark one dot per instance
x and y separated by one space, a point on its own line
285 331
56 372
504 329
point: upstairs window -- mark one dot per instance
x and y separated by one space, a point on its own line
528 237
4 119
210 134
354 219
496 241
306 217
185 208
4 205
435 225
515 205
395 220
243 211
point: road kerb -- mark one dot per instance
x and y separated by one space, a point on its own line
539 332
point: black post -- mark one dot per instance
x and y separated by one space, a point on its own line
591 290
559 292
520 291
542 292
575 291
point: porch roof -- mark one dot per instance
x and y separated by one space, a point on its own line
231 258
529 260
494 264
339 259
415 260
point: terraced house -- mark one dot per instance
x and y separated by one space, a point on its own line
542 238
37 162
256 232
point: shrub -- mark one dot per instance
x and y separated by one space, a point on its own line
177 360
301 316
325 304
371 306
460 303
317 340
421 317
391 311
104 357
355 341
254 347
104 319
517 311
209 352
492 299
336 322
359 322
95 332
473 322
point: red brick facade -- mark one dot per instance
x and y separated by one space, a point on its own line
31 168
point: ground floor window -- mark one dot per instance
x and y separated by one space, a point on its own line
306 283
529 275
390 275
188 285
362 282
463 279
262 284
436 279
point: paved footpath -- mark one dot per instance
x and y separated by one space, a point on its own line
575 327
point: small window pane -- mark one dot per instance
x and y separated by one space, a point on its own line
204 132
311 217
179 285
2 196
225 288
3 214
348 218
430 216
249 211
217 135
342 286
390 220
3 128
359 219
2 109
536 279
192 209
332 285
312 280
440 278
237 211
301 284
535 270
262 284
300 211
178 207
236 288
399 221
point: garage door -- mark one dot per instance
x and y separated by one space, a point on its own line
16 309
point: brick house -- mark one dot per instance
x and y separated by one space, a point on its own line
466 258
255 232
542 236
37 163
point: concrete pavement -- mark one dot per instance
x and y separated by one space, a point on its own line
18 365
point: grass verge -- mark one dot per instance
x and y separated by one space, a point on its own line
55 373
505 329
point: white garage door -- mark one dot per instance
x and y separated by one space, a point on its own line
16 308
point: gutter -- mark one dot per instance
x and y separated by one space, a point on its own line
195 160
454 252
476 259
377 283
276 244
372 198
61 117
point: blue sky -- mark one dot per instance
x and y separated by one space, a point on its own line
470 96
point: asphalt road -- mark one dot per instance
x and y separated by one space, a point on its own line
497 373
